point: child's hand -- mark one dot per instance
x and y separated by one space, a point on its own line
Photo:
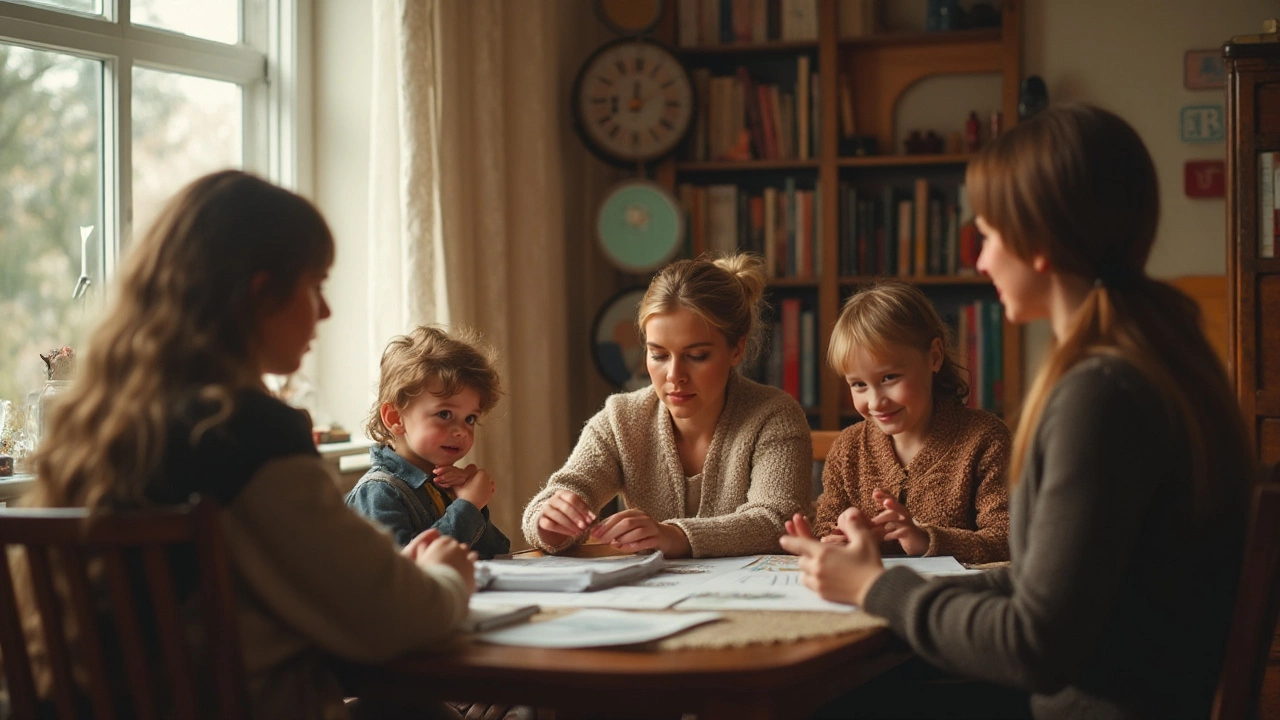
478 489
444 550
449 477
899 525
840 573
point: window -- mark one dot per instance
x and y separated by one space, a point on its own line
106 108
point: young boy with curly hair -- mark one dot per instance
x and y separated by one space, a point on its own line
434 388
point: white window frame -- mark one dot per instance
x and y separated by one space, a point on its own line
270 63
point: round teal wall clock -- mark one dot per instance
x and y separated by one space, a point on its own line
640 226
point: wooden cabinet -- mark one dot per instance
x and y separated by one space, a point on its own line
1253 270
879 68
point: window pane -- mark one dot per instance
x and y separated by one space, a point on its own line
88 7
217 20
50 169
183 127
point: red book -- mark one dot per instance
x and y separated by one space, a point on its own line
791 347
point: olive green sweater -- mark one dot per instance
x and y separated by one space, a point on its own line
756 476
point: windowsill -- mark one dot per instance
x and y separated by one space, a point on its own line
12 487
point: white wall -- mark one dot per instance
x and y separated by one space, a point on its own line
343 66
1125 55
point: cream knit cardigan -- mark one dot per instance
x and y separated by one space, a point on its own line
756 475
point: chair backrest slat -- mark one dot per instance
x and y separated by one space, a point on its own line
822 440
76 570
51 623
1257 606
124 611
115 572
219 611
164 598
13 647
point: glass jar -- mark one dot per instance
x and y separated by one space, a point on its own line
38 421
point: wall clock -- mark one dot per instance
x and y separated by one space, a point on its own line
615 342
639 226
632 102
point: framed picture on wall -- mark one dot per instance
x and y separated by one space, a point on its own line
1204 70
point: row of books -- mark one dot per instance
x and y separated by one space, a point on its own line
782 224
728 22
791 357
742 118
894 231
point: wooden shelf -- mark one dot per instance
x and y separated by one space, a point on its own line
903 160
748 48
919 279
879 68
745 165
791 282
953 37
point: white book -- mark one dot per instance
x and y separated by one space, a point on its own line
492 617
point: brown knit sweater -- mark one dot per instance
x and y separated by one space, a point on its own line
955 486
755 477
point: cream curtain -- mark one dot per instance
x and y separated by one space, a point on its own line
470 159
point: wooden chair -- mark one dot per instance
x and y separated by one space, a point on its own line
129 557
822 440
1257 605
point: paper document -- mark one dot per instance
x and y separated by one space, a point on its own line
597 628
492 617
937 566
622 597
563 574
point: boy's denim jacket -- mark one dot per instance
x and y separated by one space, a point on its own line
405 507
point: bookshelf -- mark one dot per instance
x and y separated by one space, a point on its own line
879 67
1253 269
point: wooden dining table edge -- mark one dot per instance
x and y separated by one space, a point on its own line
798 678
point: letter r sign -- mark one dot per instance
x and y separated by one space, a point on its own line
1203 124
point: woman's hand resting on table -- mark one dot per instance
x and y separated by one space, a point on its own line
634 530
837 572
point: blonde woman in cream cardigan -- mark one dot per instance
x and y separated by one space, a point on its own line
709 462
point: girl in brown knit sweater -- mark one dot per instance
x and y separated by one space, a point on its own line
926 471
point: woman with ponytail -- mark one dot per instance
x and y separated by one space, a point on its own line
1130 468
708 462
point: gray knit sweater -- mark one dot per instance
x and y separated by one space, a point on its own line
756 475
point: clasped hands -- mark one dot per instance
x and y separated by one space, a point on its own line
892 523
567 515
470 483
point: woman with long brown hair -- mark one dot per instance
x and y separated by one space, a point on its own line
1130 466
227 286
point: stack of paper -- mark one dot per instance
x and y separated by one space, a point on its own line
561 574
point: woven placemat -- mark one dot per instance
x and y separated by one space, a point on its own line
739 628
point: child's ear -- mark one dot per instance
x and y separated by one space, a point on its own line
391 418
936 354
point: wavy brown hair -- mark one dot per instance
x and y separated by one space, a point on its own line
182 325
430 358
724 291
1076 186
892 312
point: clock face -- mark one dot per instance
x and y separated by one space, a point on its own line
633 101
